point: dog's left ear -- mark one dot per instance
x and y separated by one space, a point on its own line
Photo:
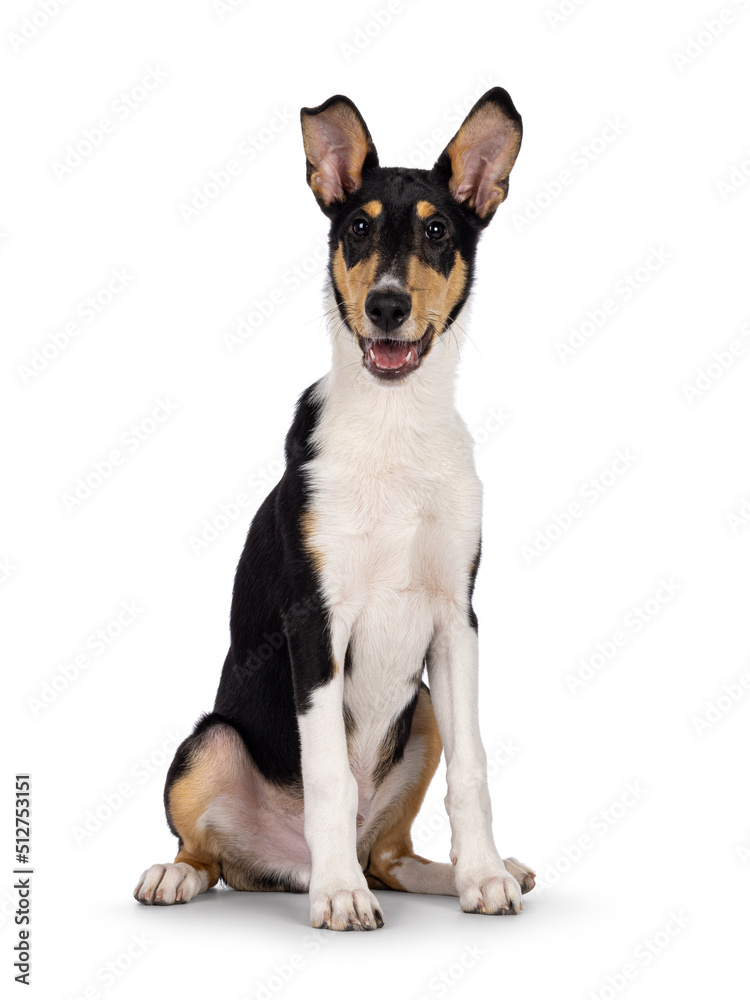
339 150
477 161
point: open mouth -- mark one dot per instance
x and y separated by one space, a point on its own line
391 359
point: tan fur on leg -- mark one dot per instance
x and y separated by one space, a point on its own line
393 862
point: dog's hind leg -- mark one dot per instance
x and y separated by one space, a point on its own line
393 862
193 780
232 824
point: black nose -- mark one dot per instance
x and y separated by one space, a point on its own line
388 310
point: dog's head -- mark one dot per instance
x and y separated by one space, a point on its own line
403 240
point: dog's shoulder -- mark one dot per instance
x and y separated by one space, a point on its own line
298 446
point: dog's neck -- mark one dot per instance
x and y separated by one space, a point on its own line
382 421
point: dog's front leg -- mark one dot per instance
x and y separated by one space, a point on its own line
339 896
484 884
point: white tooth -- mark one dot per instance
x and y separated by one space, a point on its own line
372 354
408 357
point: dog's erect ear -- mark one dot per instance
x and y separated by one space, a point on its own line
339 149
478 159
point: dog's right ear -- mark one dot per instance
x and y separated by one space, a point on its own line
339 150
477 161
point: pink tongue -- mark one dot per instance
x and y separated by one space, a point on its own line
391 353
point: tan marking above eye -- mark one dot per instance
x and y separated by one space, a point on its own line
354 283
433 295
425 209
373 208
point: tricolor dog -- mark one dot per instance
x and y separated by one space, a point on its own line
358 571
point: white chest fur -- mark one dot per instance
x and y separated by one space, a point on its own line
395 524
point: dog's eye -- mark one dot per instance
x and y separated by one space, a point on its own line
360 227
435 231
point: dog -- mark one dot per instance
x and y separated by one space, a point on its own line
358 571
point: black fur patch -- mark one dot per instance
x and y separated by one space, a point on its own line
473 620
280 644
392 748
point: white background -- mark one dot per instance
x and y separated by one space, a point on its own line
681 842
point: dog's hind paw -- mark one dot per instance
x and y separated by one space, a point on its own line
525 877
162 885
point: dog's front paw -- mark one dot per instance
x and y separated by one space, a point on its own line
345 910
493 891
